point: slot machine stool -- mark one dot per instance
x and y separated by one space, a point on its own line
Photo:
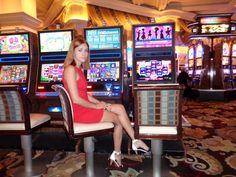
158 117
81 131
16 120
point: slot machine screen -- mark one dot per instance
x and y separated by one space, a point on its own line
199 61
54 41
13 74
104 71
153 70
226 71
225 50
234 61
199 51
103 38
198 72
190 72
225 60
14 44
51 72
234 50
190 63
153 36
191 53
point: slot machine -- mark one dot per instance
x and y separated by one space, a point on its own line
154 58
226 64
198 64
53 47
156 94
233 56
105 76
191 55
18 60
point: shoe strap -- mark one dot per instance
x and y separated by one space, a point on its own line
135 140
117 153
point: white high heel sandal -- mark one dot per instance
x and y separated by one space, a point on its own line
136 149
112 159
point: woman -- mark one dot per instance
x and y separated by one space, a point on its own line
87 109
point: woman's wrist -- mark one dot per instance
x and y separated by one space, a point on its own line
107 107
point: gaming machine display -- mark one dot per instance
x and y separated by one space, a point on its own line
233 55
18 58
154 61
191 56
226 64
104 77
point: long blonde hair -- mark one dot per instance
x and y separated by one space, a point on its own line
70 54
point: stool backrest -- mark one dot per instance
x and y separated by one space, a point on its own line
67 109
14 112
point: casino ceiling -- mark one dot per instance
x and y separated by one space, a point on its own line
49 12
184 9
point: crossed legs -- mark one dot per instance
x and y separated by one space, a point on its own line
117 115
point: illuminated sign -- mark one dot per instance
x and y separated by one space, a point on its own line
217 28
214 20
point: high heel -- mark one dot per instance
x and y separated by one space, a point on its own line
112 159
142 146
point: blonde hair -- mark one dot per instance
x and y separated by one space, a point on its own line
70 54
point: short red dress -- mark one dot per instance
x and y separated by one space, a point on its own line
83 114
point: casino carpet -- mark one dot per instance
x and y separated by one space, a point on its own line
210 145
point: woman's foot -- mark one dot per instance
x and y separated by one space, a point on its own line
139 145
115 158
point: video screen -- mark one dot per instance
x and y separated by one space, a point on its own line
199 62
190 72
14 44
13 74
159 70
103 39
51 72
104 71
190 63
153 36
234 50
226 71
199 51
225 60
234 61
225 49
190 53
198 72
54 41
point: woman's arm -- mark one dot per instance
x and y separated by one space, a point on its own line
106 106
71 78
92 99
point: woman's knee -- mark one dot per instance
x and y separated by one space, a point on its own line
119 108
110 117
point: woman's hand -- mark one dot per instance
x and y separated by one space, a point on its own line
100 105
103 105
108 107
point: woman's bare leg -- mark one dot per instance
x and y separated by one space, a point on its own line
126 124
123 117
118 131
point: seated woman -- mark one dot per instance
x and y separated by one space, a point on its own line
87 109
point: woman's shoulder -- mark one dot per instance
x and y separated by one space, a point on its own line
69 68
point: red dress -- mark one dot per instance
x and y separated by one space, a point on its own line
84 114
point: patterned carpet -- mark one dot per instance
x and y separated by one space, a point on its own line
210 143
210 146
